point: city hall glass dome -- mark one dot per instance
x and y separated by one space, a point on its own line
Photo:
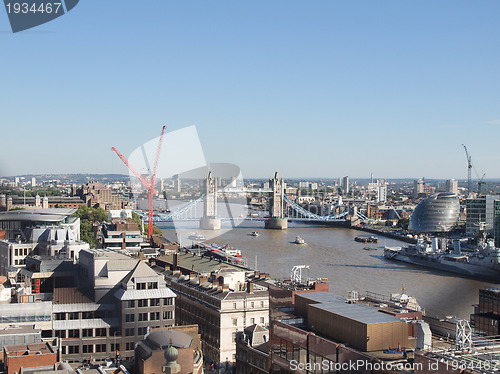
437 213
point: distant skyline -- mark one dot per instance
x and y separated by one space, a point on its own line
312 89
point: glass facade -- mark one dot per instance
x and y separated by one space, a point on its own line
486 317
437 213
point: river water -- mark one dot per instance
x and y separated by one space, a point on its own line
332 253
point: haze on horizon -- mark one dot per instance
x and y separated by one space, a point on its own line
321 89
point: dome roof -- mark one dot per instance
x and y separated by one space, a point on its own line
162 339
437 213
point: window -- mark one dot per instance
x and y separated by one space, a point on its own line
142 330
152 285
115 347
88 348
252 304
153 316
130 304
140 286
234 305
235 321
168 301
142 303
73 315
262 304
129 332
60 333
129 317
261 320
234 337
87 333
73 349
154 302
73 333
167 314
129 346
87 315
252 321
100 347
100 332
60 316
143 316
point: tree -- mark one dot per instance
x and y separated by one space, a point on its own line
137 219
403 223
87 217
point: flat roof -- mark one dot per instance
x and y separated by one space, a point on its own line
37 215
337 305
20 329
201 265
29 349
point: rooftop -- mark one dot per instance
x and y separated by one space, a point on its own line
358 312
193 262
29 349
37 215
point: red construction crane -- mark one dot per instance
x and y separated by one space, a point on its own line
149 184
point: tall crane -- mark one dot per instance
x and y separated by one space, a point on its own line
149 184
470 166
469 171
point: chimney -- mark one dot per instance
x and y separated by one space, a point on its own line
175 261
249 287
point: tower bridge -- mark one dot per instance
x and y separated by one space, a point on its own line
281 208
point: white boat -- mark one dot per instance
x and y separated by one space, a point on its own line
299 240
197 236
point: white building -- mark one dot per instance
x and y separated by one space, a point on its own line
452 186
221 308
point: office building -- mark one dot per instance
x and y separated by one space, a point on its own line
345 185
483 215
486 317
217 297
418 188
452 186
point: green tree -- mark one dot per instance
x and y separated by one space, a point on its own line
403 223
137 219
87 217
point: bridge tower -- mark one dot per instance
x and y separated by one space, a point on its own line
276 204
209 221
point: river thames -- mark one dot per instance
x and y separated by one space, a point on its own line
332 253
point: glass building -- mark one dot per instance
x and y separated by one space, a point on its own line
437 213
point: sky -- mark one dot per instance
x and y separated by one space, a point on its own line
308 88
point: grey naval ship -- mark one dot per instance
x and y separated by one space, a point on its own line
480 261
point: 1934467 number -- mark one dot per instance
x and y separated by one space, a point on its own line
24 8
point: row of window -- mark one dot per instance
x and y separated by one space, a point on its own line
91 348
84 315
142 303
252 321
75 333
252 304
151 316
21 251
146 286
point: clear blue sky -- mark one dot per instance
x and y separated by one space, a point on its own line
310 88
